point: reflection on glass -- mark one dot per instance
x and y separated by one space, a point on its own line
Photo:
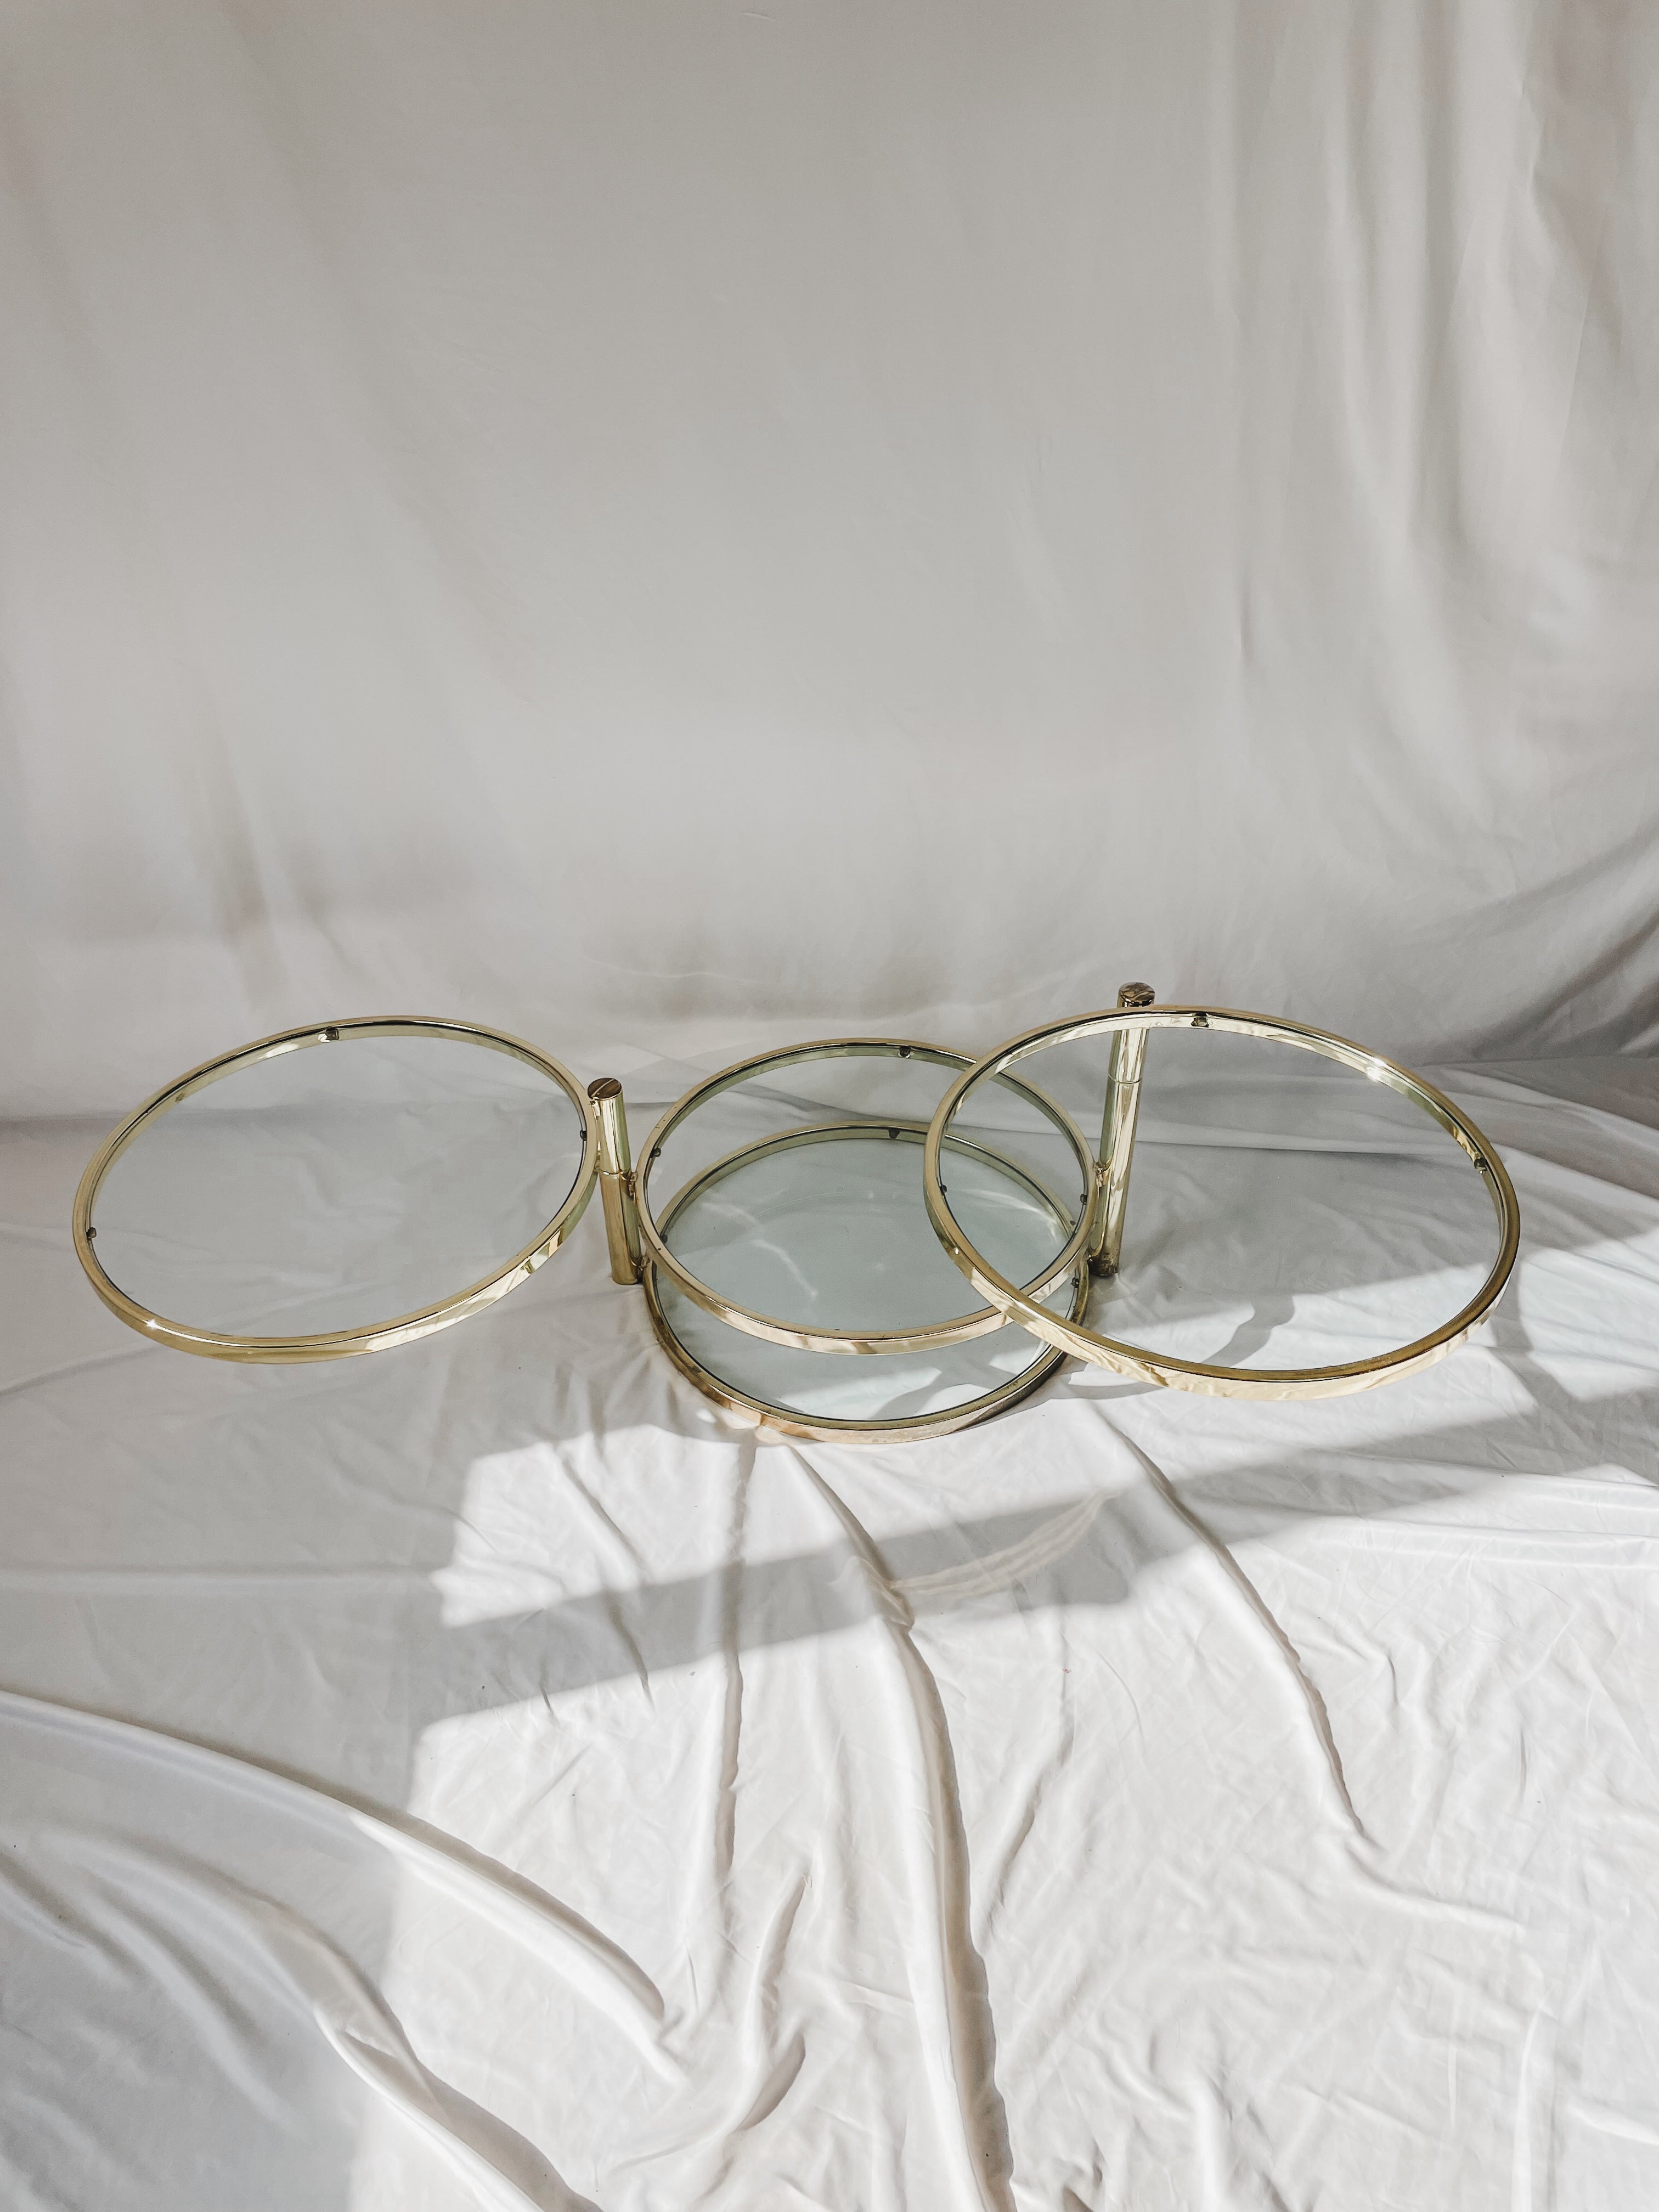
889 1386
1284 1211
337 1186
833 1234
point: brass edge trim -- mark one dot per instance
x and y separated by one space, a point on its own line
1199 1376
984 1321
910 1428
768 1327
379 1336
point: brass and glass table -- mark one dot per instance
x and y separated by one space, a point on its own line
864 1237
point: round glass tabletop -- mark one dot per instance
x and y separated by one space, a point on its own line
335 1190
796 1227
1290 1214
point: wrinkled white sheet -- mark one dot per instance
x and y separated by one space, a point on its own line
477 1777
663 526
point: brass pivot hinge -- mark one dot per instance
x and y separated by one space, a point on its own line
616 1191
1117 1136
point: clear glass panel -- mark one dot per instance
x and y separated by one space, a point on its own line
833 1234
1284 1211
1005 1117
337 1186
891 1386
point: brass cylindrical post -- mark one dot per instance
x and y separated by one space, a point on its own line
622 1218
1117 1136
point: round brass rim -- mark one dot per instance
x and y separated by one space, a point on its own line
982 1321
789 1421
1070 1336
338 1344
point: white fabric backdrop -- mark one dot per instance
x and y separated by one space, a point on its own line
470 1777
666 525
663 526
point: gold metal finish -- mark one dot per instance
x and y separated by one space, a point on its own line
1070 1336
980 1322
621 1217
1091 1237
1117 1135
783 1421
338 1344
787 1421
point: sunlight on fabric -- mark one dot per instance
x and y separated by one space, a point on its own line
529 1515
1593 1313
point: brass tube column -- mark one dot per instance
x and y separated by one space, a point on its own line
622 1218
1117 1136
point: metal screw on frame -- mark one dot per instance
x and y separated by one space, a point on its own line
1117 1135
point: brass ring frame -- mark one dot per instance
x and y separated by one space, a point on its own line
337 1344
828 1428
1208 1380
639 1250
983 1320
